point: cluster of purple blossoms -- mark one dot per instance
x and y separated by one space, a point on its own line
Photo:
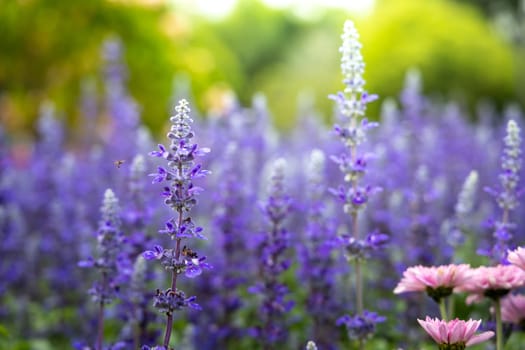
11 270
317 261
230 220
352 162
49 190
273 261
180 196
361 326
507 197
110 263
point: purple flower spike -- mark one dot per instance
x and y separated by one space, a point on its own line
506 198
353 163
180 195
273 261
111 262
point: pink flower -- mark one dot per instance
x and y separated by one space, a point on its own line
437 281
454 332
513 309
493 282
517 257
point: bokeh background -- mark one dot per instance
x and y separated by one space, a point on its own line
220 54
216 51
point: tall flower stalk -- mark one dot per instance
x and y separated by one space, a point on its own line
273 262
507 197
317 262
230 219
352 102
109 259
180 196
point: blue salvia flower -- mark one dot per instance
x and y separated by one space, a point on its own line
466 197
139 317
317 262
51 131
411 97
453 231
108 262
352 104
12 266
361 326
64 216
180 195
273 262
231 218
507 197
47 153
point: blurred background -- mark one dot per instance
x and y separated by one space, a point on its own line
217 52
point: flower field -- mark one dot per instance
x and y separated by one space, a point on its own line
405 233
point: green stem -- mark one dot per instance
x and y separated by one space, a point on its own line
499 325
358 272
451 307
443 309
359 287
100 331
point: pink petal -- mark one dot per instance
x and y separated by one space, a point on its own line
478 338
470 328
430 327
456 330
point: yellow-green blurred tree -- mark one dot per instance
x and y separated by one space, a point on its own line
459 54
259 37
49 46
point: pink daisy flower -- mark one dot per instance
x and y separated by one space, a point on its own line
517 257
437 281
493 282
457 333
513 309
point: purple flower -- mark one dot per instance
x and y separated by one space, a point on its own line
110 261
273 261
157 253
318 269
168 301
507 197
363 248
180 196
195 265
352 131
361 326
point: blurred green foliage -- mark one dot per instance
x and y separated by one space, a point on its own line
458 53
491 7
49 47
